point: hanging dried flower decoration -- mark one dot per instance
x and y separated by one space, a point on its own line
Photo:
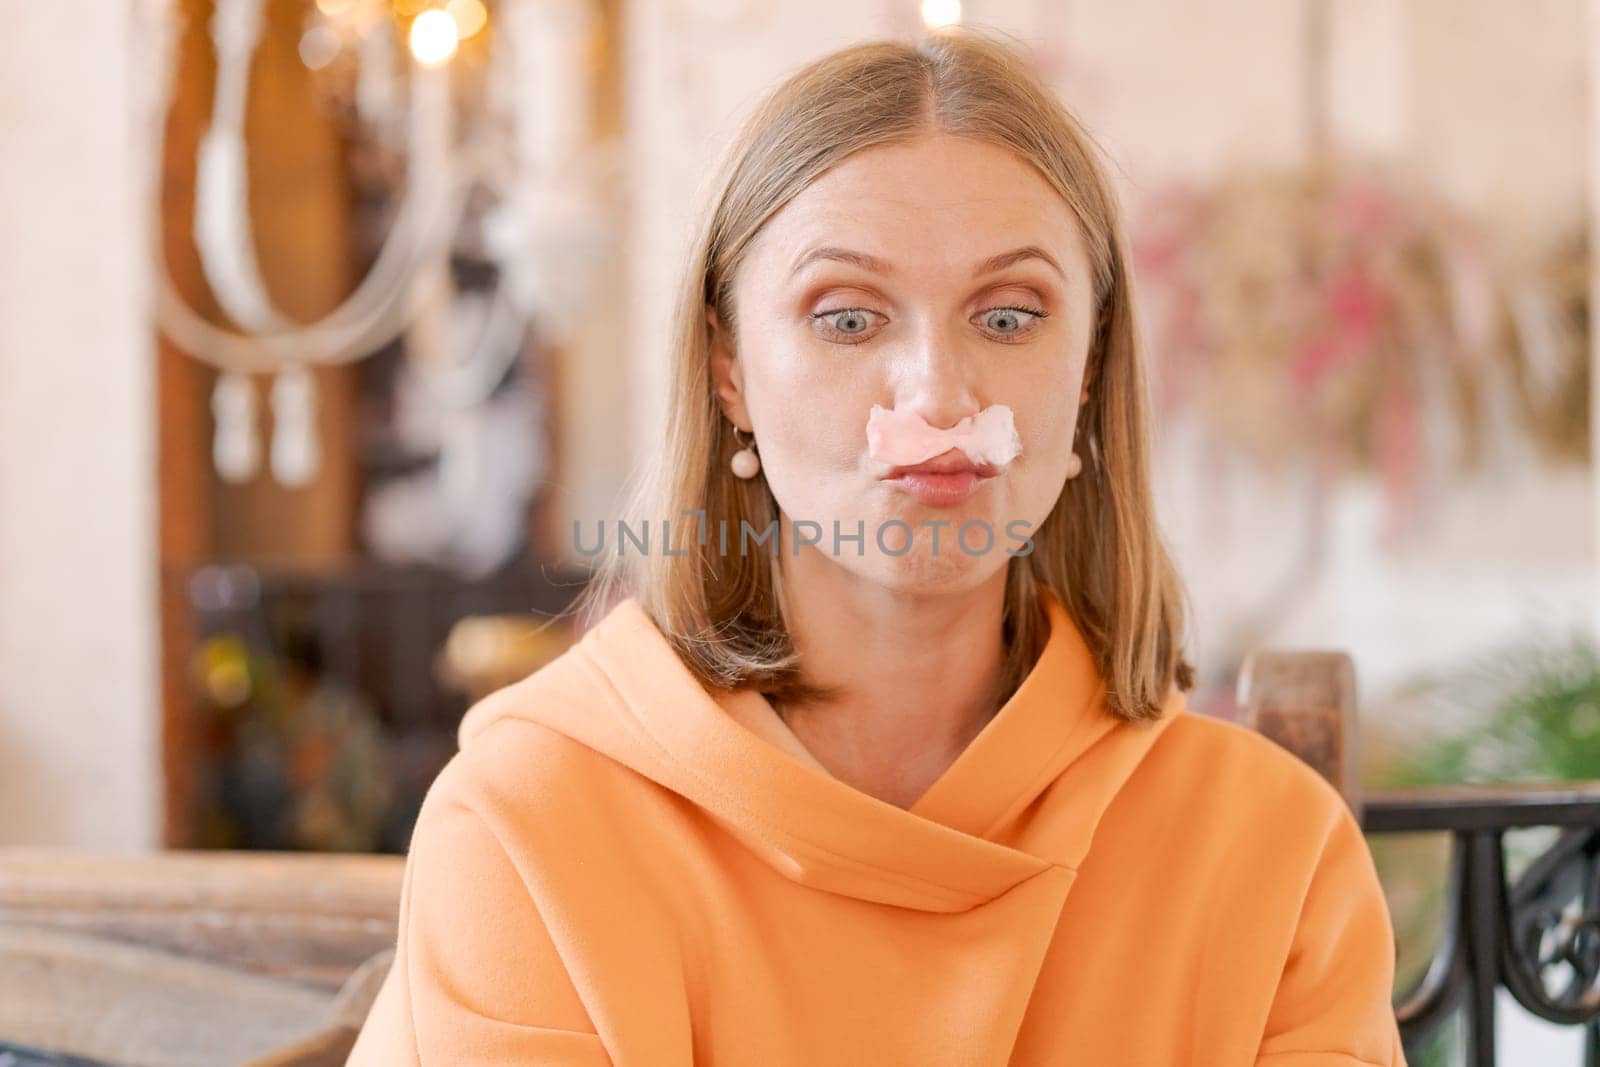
1325 309
1545 329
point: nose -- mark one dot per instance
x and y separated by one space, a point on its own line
937 381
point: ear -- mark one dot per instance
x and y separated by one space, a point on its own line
727 374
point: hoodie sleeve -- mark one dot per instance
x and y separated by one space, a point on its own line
476 978
1333 1006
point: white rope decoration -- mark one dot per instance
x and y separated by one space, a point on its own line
402 283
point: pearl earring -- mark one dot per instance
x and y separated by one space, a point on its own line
745 462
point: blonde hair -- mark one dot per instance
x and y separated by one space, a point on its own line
1099 550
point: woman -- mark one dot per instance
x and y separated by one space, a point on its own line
879 753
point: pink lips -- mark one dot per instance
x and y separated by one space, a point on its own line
944 481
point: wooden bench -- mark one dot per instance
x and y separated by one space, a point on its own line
259 958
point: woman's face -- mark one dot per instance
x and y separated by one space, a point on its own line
874 286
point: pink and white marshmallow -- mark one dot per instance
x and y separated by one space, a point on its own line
905 438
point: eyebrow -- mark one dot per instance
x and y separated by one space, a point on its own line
879 266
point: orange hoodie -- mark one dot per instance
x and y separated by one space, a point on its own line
619 868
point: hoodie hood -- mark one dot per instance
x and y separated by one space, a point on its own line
1024 797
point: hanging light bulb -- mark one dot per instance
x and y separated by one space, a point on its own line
434 37
233 443
936 13
295 452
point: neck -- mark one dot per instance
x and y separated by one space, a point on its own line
920 673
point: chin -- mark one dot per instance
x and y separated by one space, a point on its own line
921 572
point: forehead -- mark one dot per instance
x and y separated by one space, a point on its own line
939 203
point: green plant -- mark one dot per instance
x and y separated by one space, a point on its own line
1532 712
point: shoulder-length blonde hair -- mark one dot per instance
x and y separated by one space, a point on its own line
1099 550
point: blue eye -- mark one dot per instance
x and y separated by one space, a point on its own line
1013 314
844 323
850 325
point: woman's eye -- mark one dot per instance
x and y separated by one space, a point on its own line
1012 321
845 323
852 324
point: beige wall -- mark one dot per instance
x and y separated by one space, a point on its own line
78 672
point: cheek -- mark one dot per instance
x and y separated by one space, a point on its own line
1047 412
1032 488
808 463
1050 434
811 417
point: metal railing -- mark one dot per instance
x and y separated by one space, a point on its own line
1537 935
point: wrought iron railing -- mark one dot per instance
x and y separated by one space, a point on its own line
1537 935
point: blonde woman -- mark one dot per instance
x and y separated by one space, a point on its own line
876 749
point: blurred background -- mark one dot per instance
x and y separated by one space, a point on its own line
321 323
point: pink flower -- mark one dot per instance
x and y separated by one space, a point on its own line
1316 356
1355 304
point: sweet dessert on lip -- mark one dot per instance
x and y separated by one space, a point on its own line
903 438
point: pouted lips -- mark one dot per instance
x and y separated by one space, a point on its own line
943 481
